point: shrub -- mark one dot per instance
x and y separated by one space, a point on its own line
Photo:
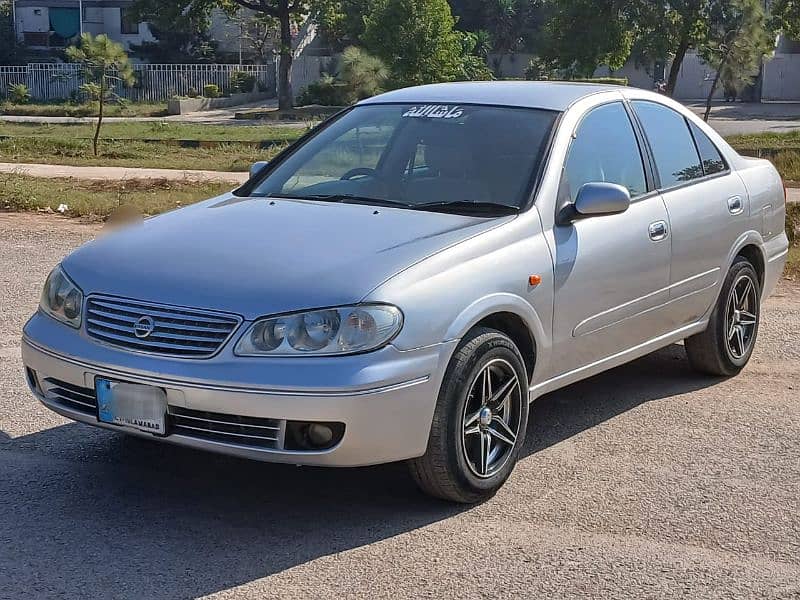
193 93
362 74
473 61
539 69
474 68
19 93
211 90
326 92
242 82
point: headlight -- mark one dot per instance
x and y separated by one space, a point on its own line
323 332
61 299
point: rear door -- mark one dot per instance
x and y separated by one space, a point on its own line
612 272
707 205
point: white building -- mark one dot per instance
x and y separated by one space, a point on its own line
55 23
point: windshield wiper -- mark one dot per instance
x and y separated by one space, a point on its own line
344 198
460 206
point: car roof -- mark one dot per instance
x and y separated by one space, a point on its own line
548 95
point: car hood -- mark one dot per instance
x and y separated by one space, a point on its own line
257 256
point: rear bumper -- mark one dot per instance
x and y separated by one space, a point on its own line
777 252
385 399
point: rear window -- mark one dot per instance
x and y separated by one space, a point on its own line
673 148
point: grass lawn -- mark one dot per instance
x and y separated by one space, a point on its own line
228 157
71 144
783 149
65 109
160 130
102 198
766 140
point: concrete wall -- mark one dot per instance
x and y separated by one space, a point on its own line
509 65
307 69
32 18
96 20
782 78
111 25
695 79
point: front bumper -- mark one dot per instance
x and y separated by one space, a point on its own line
385 399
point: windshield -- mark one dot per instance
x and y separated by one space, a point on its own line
419 156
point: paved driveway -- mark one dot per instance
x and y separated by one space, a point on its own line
646 481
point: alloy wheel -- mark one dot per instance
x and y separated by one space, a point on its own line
491 418
741 317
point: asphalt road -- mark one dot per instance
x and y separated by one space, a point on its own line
739 118
647 481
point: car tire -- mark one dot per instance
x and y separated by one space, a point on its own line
725 347
479 423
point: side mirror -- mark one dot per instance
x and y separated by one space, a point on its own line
597 200
257 167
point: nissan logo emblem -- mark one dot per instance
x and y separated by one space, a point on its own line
143 327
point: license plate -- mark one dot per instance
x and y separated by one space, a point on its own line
142 407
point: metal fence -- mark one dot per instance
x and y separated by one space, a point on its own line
154 83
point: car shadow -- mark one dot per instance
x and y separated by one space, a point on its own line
91 513
569 411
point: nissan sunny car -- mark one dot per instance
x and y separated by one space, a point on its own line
402 282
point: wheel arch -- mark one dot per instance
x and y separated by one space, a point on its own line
750 245
755 256
510 315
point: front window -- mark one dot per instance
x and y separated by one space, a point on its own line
129 24
605 150
410 156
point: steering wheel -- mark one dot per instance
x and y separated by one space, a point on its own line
356 172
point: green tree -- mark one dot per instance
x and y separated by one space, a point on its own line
416 39
473 59
512 25
786 17
341 22
283 11
668 30
737 40
581 35
181 32
10 51
104 65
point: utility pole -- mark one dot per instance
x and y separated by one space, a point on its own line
80 16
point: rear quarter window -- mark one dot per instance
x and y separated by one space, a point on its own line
709 154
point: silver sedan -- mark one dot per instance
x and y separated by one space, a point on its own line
404 281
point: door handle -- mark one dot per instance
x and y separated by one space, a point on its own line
735 205
658 231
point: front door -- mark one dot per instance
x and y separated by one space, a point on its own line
611 273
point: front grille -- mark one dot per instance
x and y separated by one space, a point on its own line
181 332
218 427
229 429
70 395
